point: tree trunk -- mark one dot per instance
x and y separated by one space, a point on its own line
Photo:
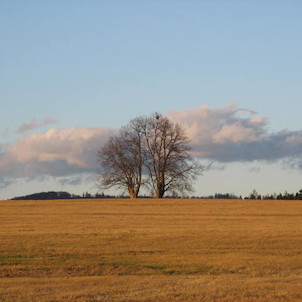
159 194
132 193
160 186
160 191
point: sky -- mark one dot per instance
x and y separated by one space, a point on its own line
73 72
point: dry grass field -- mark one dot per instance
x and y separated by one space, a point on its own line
150 250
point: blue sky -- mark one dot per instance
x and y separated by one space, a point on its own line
96 64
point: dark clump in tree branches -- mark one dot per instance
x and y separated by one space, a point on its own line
150 152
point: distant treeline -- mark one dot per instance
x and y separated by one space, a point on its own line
285 196
60 195
65 195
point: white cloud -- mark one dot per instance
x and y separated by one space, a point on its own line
55 152
34 124
235 133
226 134
212 126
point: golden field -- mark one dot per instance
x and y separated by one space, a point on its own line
150 250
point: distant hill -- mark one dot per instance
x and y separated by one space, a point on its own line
63 195
47 196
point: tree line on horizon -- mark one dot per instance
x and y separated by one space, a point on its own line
52 195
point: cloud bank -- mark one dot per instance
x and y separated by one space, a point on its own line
226 134
232 134
54 153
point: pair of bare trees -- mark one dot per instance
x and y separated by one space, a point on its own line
150 152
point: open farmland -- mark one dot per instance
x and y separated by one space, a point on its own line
150 250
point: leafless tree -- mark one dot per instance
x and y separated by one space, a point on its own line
170 166
150 151
121 159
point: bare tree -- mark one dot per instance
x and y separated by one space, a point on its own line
170 166
121 159
150 151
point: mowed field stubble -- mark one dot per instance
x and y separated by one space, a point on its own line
151 250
